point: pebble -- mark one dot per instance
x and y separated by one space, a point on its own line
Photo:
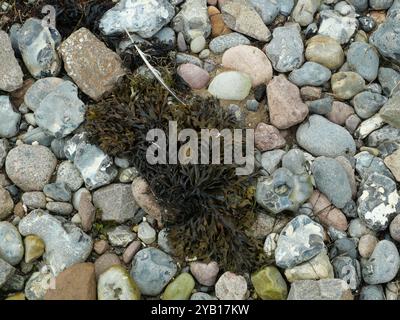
250 60
326 213
30 167
37 285
345 85
310 74
6 204
130 251
120 236
286 49
6 272
63 248
12 76
378 201
326 51
230 85
269 284
67 173
303 12
243 18
204 54
140 16
182 58
117 284
152 269
268 9
57 191
180 41
34 248
205 273
145 199
93 67
224 42
372 292
352 123
11 246
61 111
383 264
283 191
61 208
192 20
367 103
180 288
339 112
368 126
317 268
325 289
166 36
285 110
299 241
218 26
116 202
194 76
331 179
270 160
321 106
336 26
386 38
390 111
38 43
389 80
363 59
394 228
9 119
198 44
39 90
146 233
366 245
231 286
101 246
348 269
95 166
202 296
77 282
163 241
267 137
4 146
322 137
105 262
393 163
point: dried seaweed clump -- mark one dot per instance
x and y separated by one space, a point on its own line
208 208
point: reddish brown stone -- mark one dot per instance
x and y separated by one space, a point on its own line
77 282
267 137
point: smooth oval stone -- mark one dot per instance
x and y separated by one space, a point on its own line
39 90
310 74
179 289
11 246
331 179
269 284
383 264
363 59
230 85
367 103
322 137
222 43
326 51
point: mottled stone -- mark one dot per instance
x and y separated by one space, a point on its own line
241 17
286 48
299 241
336 26
363 59
267 137
205 273
65 243
143 17
9 119
325 289
93 67
231 286
326 51
285 110
30 167
269 284
11 246
310 74
345 85
11 74
6 204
